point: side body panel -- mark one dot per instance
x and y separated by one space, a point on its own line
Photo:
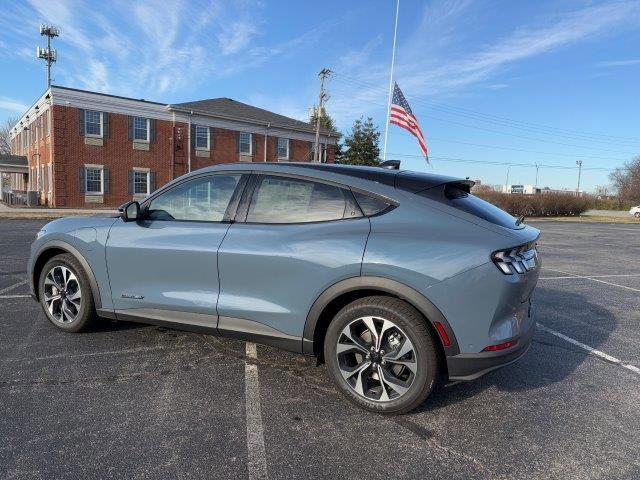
272 274
165 266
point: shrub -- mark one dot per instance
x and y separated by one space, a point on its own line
541 205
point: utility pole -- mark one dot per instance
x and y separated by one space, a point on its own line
579 164
48 54
324 73
537 168
506 183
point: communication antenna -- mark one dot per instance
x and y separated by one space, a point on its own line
48 54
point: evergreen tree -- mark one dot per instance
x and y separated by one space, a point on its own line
362 144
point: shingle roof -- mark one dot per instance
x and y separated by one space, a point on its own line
13 160
227 107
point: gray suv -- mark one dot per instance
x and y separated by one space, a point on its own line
394 279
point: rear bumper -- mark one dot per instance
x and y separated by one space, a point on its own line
469 366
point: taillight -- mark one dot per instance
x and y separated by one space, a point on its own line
516 260
499 346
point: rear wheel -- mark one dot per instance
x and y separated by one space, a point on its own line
381 355
65 294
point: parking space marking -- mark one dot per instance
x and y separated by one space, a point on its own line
589 349
15 285
257 458
590 276
594 279
14 296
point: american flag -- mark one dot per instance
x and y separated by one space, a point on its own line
402 116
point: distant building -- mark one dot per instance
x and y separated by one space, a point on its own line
532 190
89 149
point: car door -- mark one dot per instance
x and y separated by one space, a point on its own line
293 238
165 265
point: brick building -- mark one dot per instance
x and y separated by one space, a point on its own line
88 149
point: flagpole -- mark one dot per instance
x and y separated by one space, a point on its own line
393 58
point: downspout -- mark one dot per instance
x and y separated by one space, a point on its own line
173 147
189 147
266 131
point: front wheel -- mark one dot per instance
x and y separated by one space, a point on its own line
381 355
65 294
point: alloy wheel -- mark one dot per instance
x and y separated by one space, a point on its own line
376 359
62 294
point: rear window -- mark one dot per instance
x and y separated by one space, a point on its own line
370 205
460 198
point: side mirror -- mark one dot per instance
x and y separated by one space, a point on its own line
129 212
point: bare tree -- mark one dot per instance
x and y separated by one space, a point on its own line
5 138
626 180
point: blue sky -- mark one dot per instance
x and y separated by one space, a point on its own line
491 82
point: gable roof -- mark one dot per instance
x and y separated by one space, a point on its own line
7 160
229 108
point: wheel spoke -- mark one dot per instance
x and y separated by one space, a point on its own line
394 383
399 352
51 280
347 373
410 364
371 326
357 342
384 394
66 312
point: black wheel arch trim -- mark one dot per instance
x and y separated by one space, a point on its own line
393 287
62 245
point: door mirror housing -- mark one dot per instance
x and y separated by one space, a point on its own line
130 212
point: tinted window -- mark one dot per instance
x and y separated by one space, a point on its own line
461 199
290 200
203 199
370 205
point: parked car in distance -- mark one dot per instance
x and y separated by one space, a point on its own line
635 211
395 279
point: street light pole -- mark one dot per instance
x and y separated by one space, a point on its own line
579 164
319 114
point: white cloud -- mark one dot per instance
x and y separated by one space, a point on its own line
236 37
619 63
441 56
13 105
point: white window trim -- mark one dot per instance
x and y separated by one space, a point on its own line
139 140
278 149
208 148
250 152
148 172
86 183
93 135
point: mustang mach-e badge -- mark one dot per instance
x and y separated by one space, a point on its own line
132 297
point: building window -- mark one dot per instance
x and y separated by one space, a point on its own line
283 148
202 138
93 178
140 182
244 143
93 123
141 129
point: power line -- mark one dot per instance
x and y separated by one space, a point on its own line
502 164
520 136
505 121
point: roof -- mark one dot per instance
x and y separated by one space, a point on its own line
13 160
107 94
402 179
229 108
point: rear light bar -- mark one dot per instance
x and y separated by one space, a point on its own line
516 260
499 346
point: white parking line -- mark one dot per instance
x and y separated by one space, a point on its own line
594 279
257 458
591 350
11 287
14 296
590 276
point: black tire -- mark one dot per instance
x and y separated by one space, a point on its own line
86 314
637 214
412 325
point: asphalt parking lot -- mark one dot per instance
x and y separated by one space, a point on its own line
135 401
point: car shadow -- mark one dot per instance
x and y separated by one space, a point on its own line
549 360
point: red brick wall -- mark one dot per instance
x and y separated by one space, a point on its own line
70 153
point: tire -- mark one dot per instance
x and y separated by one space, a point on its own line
403 388
79 313
637 214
